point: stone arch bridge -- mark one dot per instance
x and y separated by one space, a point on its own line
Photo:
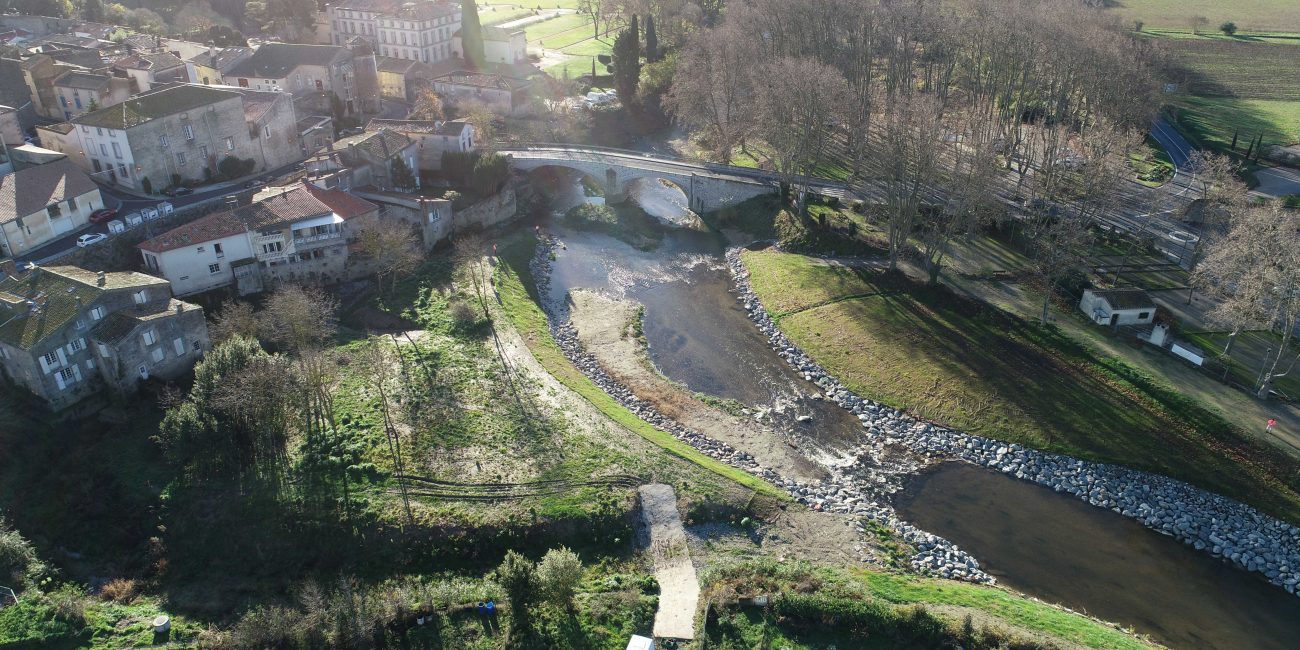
708 186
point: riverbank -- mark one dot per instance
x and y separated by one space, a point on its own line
1209 522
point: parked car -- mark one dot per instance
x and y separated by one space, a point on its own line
91 238
103 214
178 191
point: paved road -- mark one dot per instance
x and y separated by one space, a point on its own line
127 203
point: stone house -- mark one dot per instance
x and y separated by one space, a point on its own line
305 71
500 45
294 234
149 70
39 73
418 32
209 67
66 332
432 137
501 94
401 79
59 137
183 132
372 156
40 204
80 92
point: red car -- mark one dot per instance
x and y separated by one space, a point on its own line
103 214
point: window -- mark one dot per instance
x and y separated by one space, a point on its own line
216 248
103 149
67 376
54 211
230 144
203 151
149 337
180 159
103 350
122 168
99 131
140 297
158 354
272 247
189 131
117 150
97 313
179 346
266 130
50 360
162 141
214 268
77 346
1144 314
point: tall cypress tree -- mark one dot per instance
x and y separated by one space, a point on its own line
471 35
635 29
651 40
627 64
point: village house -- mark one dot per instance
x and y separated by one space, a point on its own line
311 73
1118 307
183 132
42 203
432 137
65 332
210 67
500 45
149 70
39 73
370 158
297 233
401 79
502 95
414 31
80 92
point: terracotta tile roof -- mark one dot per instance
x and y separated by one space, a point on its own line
31 190
207 228
271 206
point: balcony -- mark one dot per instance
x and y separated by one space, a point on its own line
317 239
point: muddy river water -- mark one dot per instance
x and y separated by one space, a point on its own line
1042 543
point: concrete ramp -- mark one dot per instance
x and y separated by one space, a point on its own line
679 589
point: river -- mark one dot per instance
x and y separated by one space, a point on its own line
1045 544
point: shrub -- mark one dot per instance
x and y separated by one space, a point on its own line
232 167
463 317
518 577
490 173
1229 28
122 591
146 185
558 575
19 565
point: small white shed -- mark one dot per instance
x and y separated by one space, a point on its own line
1118 306
640 643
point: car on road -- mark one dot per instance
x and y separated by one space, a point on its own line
90 239
103 214
256 182
179 191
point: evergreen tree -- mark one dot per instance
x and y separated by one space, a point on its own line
651 40
403 178
627 64
471 36
93 10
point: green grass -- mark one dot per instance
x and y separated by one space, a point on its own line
979 369
514 282
1151 164
1212 121
539 33
822 607
1253 15
1248 356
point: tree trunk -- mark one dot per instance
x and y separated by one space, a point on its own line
1232 338
1047 303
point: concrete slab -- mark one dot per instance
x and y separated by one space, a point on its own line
679 588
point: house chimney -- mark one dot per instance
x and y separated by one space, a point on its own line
101 279
180 307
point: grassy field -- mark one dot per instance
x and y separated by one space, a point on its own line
979 369
1212 121
1151 164
872 609
1252 15
1248 357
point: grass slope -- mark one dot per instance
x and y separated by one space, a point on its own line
515 285
979 369
1257 15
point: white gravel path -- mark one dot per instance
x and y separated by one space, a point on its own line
679 589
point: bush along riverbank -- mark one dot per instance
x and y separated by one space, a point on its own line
841 493
1208 522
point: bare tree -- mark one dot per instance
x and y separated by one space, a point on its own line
1222 194
468 253
907 156
427 106
712 90
1254 269
393 247
969 174
798 107
299 318
234 318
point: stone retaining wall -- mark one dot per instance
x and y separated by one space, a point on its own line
1209 522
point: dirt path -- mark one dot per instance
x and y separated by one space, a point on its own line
665 539
603 327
